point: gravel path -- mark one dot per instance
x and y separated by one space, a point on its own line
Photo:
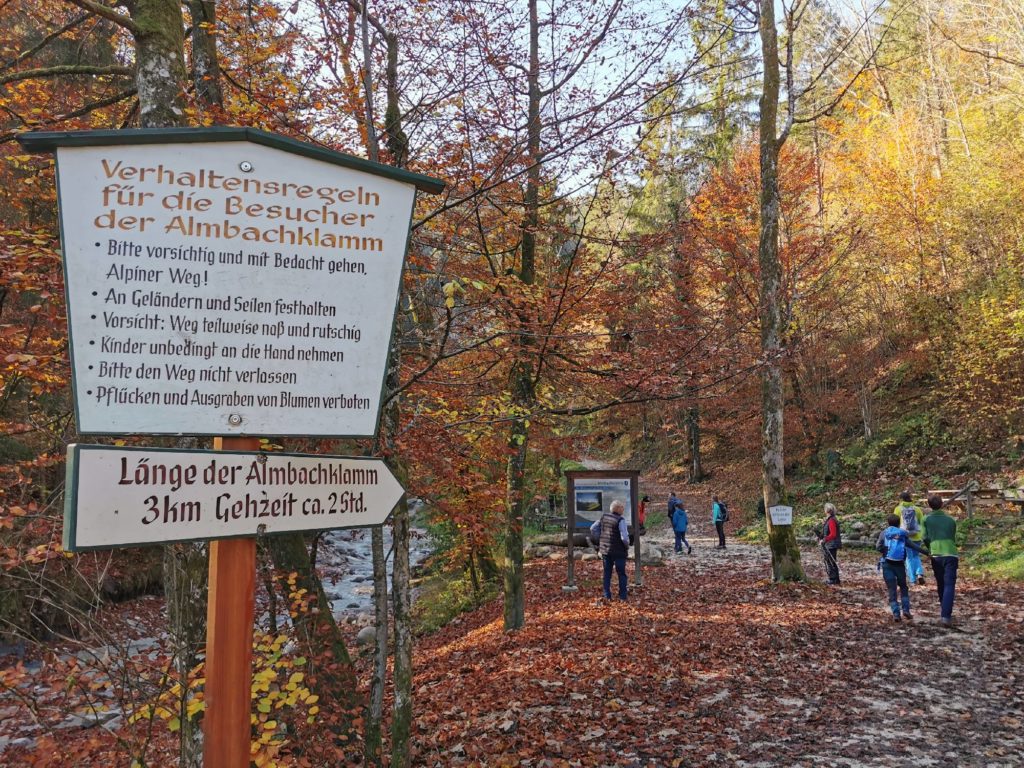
906 694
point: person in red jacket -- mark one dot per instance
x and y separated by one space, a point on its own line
831 541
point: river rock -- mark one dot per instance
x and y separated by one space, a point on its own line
366 636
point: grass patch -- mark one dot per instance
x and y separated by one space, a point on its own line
1001 558
444 596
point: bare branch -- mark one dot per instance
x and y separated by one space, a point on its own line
122 20
64 70
44 42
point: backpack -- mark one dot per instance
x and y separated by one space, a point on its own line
724 511
895 545
909 515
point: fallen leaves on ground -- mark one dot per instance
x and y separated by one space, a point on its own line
709 663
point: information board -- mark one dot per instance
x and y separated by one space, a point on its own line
594 496
228 288
127 496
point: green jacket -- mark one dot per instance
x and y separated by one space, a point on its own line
940 534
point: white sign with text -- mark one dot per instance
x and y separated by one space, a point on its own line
781 515
228 288
119 497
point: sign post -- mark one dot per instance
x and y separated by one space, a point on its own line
226 282
230 613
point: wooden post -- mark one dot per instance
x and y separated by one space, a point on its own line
229 616
570 531
634 496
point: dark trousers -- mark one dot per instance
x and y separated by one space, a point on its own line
720 527
945 568
895 574
831 555
680 540
620 568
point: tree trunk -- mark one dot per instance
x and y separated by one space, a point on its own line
693 438
373 748
401 715
205 66
521 375
159 62
781 538
160 81
316 628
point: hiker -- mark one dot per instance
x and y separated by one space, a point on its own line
893 544
641 516
912 521
831 540
614 546
680 521
673 502
719 514
940 538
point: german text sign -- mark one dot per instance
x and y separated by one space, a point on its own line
781 515
228 288
126 496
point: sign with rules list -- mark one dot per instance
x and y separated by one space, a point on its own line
227 281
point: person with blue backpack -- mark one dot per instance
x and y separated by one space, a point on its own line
719 516
893 543
912 521
680 522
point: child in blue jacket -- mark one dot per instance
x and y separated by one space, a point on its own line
680 522
893 544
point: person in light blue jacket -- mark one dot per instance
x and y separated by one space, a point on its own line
719 515
680 521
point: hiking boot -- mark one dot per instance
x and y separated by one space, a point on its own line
896 617
948 623
906 615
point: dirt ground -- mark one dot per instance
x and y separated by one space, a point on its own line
708 663
711 664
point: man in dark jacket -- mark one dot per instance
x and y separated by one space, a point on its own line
614 546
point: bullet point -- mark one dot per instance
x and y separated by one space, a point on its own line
97 245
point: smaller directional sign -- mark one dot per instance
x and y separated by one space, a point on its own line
119 497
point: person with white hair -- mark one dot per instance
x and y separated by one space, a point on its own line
614 546
831 540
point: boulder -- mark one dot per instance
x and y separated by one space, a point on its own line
367 636
859 527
